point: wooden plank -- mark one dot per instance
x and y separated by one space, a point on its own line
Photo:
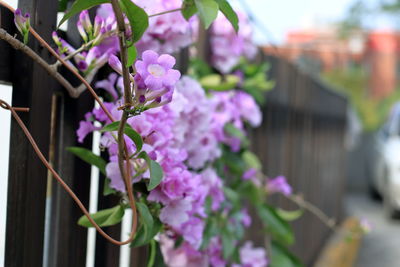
32 88
68 240
7 52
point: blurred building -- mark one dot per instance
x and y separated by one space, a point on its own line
322 50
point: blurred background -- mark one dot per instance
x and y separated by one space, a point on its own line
352 46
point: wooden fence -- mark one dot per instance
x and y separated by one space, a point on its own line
301 137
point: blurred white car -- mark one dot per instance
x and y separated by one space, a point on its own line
384 163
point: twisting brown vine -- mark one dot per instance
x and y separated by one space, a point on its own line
125 175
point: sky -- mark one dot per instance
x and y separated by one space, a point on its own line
280 16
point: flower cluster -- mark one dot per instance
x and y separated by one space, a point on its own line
154 78
93 54
182 136
166 34
184 129
228 46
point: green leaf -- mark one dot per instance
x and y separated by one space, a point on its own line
280 256
131 133
228 243
290 215
188 9
105 217
253 193
156 172
229 13
80 5
275 225
89 157
146 233
138 18
208 11
107 190
210 231
62 5
132 54
251 160
216 82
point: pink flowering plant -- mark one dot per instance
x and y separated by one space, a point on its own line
177 147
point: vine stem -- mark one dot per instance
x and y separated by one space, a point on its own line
18 45
165 12
301 202
64 63
35 147
5 105
123 153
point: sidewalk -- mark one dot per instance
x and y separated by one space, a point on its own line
380 248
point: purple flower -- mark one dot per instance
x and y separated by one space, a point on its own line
279 185
249 174
22 22
156 71
114 174
365 225
85 128
245 218
252 257
192 231
109 85
115 64
214 252
228 46
176 212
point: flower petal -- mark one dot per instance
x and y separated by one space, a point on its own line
153 83
166 61
149 57
171 78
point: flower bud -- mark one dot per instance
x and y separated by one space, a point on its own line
85 20
82 31
56 39
114 63
98 25
22 22
100 37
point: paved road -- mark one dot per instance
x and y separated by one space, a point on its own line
381 248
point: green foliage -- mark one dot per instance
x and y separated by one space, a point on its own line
231 130
188 9
280 256
289 215
229 13
62 5
138 18
80 5
228 243
105 217
354 83
107 190
216 82
255 80
251 160
156 172
132 54
148 228
88 156
129 131
279 229
208 11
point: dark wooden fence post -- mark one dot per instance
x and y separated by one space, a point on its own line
32 88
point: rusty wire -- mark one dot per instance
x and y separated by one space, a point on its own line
126 179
